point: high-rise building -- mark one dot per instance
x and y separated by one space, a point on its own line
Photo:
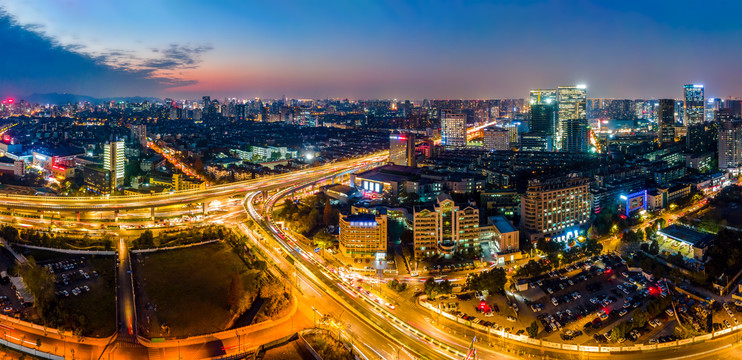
666 121
544 122
576 135
139 134
543 97
113 161
453 129
730 144
402 149
712 105
445 229
694 105
572 103
701 137
496 139
362 236
557 208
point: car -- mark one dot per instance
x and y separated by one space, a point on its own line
570 282
555 301
489 314
622 312
669 312
603 316
7 309
624 274
511 319
549 290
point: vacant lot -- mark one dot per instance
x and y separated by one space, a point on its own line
185 292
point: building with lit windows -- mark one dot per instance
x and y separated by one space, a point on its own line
730 145
113 161
505 235
453 129
362 238
666 121
543 96
402 149
556 209
571 104
445 228
496 139
693 109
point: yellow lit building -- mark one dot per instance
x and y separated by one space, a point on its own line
557 208
363 238
445 229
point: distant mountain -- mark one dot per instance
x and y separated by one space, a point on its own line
61 99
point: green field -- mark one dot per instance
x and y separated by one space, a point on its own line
187 289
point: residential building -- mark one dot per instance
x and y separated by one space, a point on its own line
113 161
730 145
496 139
453 129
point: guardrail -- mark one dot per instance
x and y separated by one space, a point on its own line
580 348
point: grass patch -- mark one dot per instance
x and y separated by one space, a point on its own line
188 288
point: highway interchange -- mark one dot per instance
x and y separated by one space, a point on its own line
376 330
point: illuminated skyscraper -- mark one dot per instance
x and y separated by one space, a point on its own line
543 96
453 129
666 121
693 109
402 149
572 102
496 139
730 145
113 161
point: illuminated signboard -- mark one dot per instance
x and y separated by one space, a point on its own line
632 202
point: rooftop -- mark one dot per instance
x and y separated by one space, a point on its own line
687 235
502 224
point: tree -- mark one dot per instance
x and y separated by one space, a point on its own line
323 240
10 234
654 247
430 288
493 281
532 329
619 331
236 292
40 284
407 238
327 213
640 318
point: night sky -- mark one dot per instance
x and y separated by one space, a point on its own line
368 49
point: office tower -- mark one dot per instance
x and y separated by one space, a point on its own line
139 134
576 135
666 121
495 139
453 129
694 106
362 236
556 208
543 96
730 145
544 119
402 149
571 104
113 161
445 229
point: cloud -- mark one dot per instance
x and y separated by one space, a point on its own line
33 62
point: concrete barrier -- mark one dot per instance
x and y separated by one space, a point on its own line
685 341
552 345
667 345
589 348
610 349
737 327
631 348
68 251
569 347
703 337
722 332
533 341
647 347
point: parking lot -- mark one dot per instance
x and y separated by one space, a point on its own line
72 277
579 304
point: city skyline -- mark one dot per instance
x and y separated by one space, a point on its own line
380 50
